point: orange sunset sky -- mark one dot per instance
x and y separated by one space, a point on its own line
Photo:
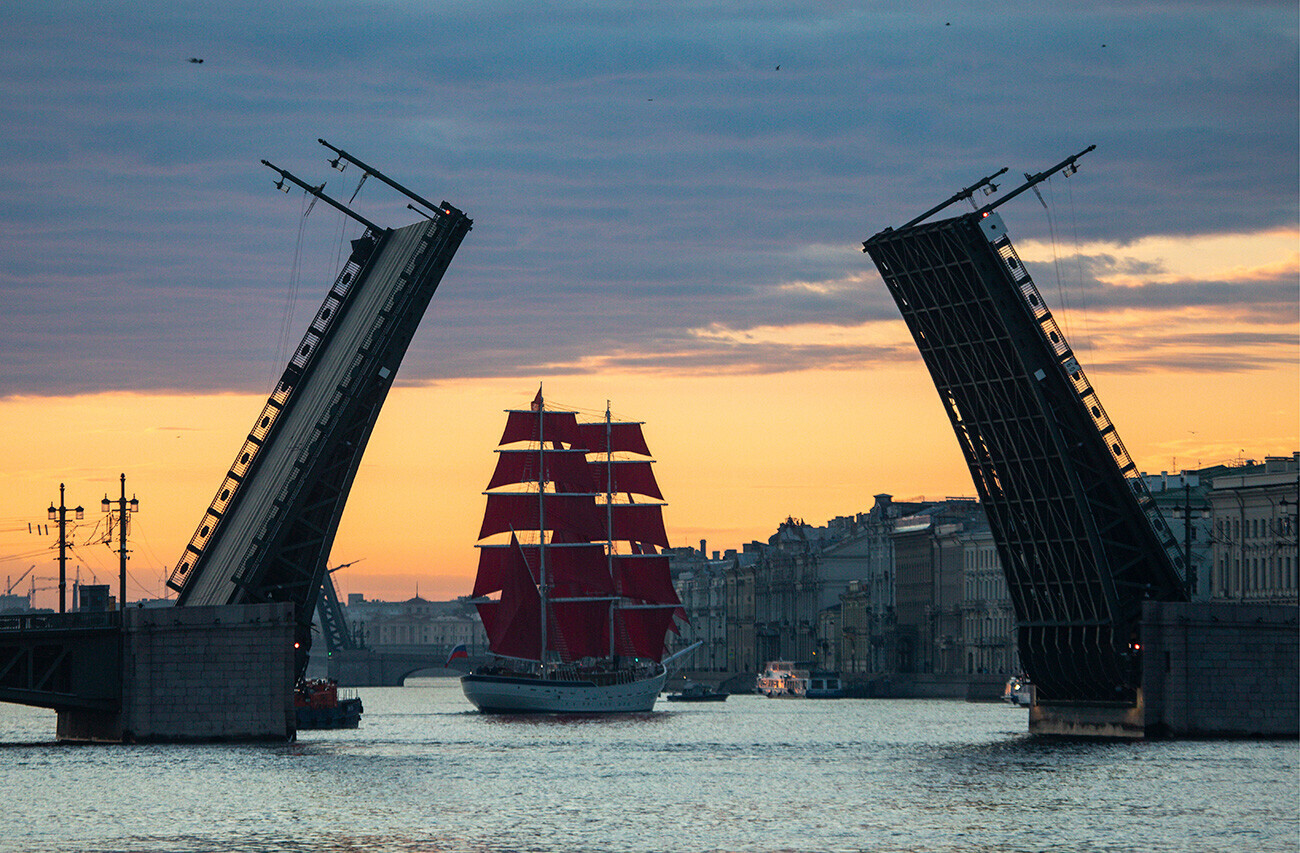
668 214
736 453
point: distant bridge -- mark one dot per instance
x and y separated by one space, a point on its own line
391 667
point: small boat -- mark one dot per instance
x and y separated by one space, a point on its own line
584 596
318 705
825 685
779 678
697 693
1019 691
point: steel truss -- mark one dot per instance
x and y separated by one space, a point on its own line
1081 541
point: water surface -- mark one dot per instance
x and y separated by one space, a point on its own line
424 772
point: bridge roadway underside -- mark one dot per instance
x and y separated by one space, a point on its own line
62 661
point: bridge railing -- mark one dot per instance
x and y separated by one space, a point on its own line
275 404
58 621
1056 339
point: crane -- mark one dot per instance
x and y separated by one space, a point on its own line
10 590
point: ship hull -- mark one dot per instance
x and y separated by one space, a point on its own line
500 694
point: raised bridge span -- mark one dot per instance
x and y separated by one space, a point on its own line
1081 541
268 531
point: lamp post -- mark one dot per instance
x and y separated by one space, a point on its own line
123 507
60 514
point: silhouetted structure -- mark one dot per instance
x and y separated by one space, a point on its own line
268 531
1080 539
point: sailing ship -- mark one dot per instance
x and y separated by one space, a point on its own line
584 600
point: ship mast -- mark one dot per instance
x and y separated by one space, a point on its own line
543 590
609 518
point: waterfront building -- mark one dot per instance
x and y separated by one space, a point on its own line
1254 532
1183 500
416 624
701 584
793 584
907 588
16 604
928 566
988 618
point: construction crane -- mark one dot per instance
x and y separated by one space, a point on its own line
10 590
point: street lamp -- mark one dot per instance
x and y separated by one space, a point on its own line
60 514
123 507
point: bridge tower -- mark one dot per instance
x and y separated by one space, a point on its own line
1080 538
268 531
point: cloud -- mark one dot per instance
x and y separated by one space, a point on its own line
635 175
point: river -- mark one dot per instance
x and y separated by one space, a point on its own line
424 772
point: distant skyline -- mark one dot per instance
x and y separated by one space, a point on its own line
669 205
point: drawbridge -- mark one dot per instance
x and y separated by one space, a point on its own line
1081 541
267 533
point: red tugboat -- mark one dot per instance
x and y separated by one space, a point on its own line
317 705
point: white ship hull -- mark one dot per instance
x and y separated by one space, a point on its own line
502 694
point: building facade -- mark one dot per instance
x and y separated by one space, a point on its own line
1254 532
906 588
417 623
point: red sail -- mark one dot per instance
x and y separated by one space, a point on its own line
571 569
622 437
645 578
636 523
640 632
579 629
625 475
568 469
538 426
576 514
514 623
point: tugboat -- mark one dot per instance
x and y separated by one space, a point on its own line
1019 691
318 705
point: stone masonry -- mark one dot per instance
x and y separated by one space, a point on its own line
220 673
1221 670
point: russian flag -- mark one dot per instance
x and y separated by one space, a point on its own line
457 653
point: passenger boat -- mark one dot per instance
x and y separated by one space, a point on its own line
779 678
583 597
825 685
697 693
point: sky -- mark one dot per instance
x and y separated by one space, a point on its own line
668 204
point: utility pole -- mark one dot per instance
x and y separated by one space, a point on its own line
60 514
123 507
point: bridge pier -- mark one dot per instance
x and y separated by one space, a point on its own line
206 674
1209 669
166 674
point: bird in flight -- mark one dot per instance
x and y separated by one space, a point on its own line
196 60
